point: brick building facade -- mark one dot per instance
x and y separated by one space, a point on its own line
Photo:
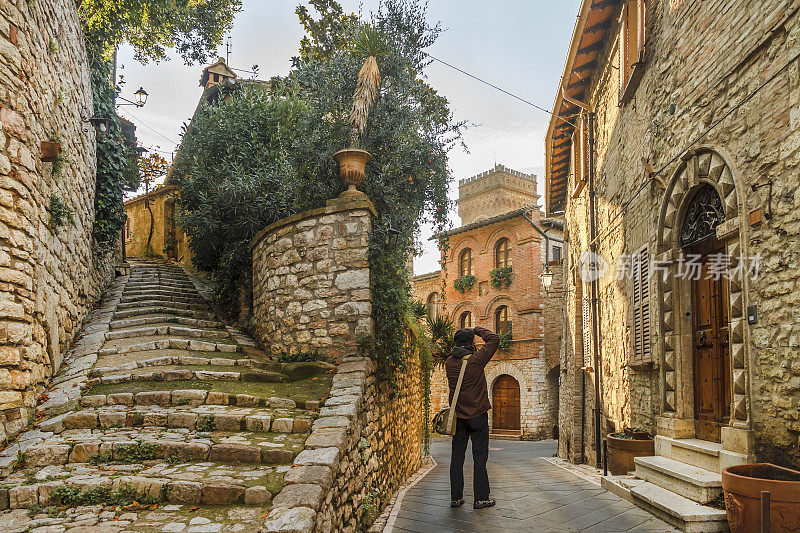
498 208
675 139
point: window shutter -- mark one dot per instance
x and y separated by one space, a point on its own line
641 14
641 306
587 333
623 49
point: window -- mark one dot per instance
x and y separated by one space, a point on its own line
502 253
640 266
632 26
502 323
579 154
587 332
466 320
433 306
127 229
465 263
556 253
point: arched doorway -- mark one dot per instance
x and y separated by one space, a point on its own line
505 405
709 295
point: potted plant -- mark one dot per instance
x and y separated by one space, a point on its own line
743 485
353 160
501 277
625 446
464 283
505 342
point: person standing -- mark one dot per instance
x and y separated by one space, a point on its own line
472 418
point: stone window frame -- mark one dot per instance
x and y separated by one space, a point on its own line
465 320
433 301
503 312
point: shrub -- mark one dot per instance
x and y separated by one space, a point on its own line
300 357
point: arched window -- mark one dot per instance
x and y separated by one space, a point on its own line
465 263
433 305
466 320
502 322
502 253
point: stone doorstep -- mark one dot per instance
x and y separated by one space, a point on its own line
174 491
689 481
695 452
681 512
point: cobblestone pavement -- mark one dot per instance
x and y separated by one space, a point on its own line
532 495
163 418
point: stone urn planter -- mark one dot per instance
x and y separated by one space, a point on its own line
623 449
743 485
50 151
352 163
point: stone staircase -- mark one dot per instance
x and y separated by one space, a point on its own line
163 418
681 484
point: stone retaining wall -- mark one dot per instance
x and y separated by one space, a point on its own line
49 277
311 279
365 443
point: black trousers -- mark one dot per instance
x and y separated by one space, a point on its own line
476 429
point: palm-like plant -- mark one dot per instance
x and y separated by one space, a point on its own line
442 330
367 42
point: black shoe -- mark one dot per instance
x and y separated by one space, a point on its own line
457 503
482 504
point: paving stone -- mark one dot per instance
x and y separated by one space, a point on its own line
283 425
184 491
111 419
218 398
48 454
120 398
23 496
81 420
182 420
257 422
318 475
290 520
257 496
83 451
276 456
237 453
327 437
153 398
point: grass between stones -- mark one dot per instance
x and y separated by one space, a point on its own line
73 496
311 389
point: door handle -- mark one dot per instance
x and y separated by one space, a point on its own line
701 338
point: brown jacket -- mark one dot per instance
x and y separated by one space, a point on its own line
473 400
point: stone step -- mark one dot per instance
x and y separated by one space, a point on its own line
165 398
681 512
203 418
191 482
689 481
150 442
146 286
184 360
165 310
180 374
172 342
162 303
166 329
172 298
168 319
700 453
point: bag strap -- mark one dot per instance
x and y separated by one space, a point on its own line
452 416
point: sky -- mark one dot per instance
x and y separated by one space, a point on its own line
519 45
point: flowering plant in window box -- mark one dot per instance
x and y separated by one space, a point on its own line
501 277
464 283
505 342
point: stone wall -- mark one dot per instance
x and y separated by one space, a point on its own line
365 443
702 60
311 279
49 276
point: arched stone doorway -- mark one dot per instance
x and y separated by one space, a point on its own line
506 404
701 321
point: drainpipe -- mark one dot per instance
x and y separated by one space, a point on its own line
594 300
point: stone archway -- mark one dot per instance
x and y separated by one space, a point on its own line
701 167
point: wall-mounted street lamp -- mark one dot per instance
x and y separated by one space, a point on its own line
392 234
100 123
141 98
547 279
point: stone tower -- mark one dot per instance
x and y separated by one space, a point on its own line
495 192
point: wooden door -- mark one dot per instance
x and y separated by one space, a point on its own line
505 410
710 340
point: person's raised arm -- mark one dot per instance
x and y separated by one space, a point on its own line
491 342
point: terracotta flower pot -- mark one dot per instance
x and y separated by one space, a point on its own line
621 453
352 163
743 485
50 151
